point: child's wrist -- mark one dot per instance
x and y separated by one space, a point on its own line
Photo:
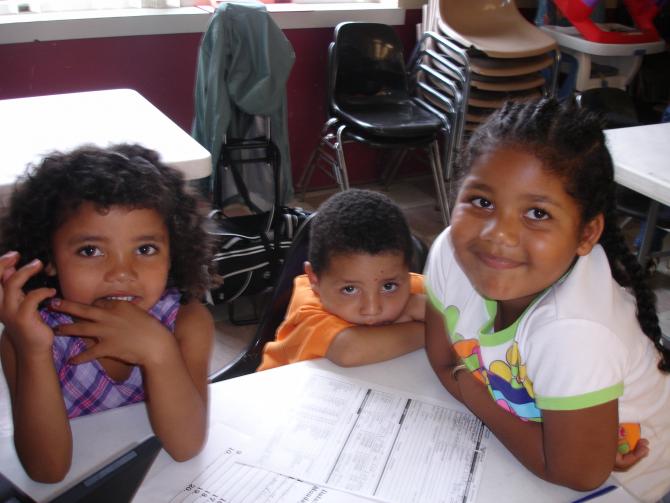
162 355
34 358
456 369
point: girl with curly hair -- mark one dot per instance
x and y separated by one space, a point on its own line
104 261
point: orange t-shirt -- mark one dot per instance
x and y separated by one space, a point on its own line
308 329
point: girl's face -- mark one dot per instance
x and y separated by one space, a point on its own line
515 229
121 254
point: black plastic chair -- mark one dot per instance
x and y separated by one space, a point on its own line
369 101
249 360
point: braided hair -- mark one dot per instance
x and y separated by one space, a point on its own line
571 145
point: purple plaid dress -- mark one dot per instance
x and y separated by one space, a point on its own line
86 387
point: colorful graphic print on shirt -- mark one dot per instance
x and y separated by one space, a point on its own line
507 381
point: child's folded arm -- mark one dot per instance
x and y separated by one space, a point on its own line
441 355
42 435
177 387
363 344
415 309
572 448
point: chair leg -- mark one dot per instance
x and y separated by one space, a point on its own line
645 246
306 176
438 177
390 173
341 171
333 163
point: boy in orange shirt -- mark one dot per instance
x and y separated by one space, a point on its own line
357 302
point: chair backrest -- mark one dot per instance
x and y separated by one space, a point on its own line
496 28
275 310
419 256
615 105
366 60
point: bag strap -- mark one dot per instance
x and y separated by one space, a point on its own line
272 157
226 159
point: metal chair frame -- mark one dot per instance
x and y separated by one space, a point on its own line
330 152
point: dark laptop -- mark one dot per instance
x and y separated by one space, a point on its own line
116 482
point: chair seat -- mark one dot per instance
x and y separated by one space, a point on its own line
398 119
389 142
497 67
503 84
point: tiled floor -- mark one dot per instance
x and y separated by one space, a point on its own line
415 197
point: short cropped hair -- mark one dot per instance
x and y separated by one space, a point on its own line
357 221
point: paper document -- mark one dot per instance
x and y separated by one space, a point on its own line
216 475
376 442
227 480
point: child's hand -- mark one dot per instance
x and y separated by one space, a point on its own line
18 310
121 330
623 462
415 309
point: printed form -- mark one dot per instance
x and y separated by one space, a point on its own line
336 440
228 481
375 442
217 475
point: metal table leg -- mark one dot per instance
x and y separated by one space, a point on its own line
648 235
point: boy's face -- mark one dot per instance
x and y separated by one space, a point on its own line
363 289
121 254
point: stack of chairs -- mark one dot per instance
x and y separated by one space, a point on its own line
489 51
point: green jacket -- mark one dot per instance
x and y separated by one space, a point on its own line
243 65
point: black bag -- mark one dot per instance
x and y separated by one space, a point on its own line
250 247
248 256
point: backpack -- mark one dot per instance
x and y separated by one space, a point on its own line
248 257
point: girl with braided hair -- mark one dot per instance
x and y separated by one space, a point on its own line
540 319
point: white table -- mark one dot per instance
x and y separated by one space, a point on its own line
242 404
641 157
32 127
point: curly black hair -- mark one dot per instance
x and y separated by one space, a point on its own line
122 175
357 221
570 143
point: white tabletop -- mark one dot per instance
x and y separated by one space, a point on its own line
33 127
242 404
641 157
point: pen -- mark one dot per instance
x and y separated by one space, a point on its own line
596 494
